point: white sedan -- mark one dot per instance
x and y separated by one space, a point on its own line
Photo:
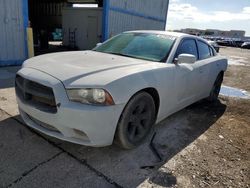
118 90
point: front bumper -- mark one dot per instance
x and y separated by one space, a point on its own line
74 122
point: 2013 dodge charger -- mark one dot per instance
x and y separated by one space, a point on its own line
118 90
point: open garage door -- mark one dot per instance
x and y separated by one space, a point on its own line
124 15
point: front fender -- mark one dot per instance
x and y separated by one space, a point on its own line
124 88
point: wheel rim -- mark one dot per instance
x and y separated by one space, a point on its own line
139 122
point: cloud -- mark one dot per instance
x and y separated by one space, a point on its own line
187 12
246 10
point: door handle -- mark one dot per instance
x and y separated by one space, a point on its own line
200 70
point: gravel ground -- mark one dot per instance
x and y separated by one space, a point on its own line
238 73
217 158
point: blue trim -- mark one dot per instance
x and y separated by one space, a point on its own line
105 20
11 62
134 13
25 25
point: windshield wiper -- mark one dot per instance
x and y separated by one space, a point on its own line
125 55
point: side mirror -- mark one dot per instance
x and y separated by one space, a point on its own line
98 44
185 58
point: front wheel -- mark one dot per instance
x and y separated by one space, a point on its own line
136 121
214 93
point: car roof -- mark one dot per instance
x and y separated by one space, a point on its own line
175 34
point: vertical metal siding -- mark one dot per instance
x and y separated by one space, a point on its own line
154 8
124 15
13 32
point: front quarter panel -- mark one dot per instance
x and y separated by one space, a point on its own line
161 79
124 88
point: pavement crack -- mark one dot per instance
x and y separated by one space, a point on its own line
34 168
98 173
83 162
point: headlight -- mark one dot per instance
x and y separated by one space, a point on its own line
90 96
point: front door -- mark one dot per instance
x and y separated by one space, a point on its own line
187 78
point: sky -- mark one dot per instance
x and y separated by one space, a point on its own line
209 14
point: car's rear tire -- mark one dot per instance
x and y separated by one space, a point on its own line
136 121
214 93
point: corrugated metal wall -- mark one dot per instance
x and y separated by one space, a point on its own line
13 23
124 15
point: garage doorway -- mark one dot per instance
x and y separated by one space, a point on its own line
46 20
92 31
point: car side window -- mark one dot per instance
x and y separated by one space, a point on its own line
211 51
187 46
204 51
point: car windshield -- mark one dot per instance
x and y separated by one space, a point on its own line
147 46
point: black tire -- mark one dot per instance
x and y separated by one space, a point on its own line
214 93
136 121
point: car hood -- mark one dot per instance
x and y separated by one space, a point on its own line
71 66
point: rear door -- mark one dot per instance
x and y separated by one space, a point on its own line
204 65
125 15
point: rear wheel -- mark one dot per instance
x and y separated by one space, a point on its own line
216 88
136 121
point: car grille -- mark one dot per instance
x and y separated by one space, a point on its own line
44 125
34 94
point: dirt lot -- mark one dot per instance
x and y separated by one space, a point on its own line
219 157
239 67
204 145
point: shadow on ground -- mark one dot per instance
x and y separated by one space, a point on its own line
7 76
130 168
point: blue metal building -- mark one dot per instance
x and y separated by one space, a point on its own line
125 15
117 16
13 37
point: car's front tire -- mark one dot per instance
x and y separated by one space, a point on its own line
214 93
136 121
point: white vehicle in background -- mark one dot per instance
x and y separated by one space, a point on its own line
215 45
246 45
118 90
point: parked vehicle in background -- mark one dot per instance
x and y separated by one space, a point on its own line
239 43
215 45
227 42
246 45
118 90
231 42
